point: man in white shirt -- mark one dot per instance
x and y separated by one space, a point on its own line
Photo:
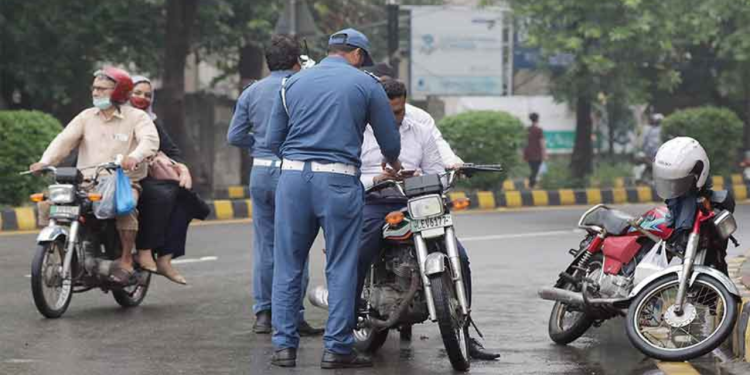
419 155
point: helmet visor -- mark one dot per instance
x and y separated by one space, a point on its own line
668 189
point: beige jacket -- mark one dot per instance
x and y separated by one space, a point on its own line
130 132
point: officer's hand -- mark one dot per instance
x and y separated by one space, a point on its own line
387 174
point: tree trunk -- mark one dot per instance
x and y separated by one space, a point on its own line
612 116
251 69
181 16
580 164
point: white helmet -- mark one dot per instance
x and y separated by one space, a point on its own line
680 165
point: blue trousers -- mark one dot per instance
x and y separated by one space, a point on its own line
263 182
371 243
307 201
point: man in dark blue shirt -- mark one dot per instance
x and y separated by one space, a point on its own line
317 126
248 131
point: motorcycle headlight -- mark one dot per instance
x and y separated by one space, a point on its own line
426 206
725 223
61 194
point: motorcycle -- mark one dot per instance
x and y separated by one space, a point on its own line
417 275
673 313
76 250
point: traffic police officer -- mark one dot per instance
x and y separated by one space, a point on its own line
317 125
247 130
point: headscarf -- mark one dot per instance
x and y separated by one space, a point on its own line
150 109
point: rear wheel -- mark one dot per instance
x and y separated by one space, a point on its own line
453 324
567 323
133 295
51 292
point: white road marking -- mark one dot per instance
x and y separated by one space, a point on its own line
27 276
18 360
521 235
194 260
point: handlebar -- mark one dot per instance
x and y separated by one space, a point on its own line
468 170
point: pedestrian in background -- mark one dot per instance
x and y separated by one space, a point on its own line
248 130
317 126
535 152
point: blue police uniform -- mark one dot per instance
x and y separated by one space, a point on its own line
248 130
317 127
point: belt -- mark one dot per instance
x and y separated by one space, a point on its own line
339 168
266 163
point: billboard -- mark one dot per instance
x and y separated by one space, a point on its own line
456 51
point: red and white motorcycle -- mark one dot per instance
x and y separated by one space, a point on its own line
673 313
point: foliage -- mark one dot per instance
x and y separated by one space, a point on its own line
24 136
718 130
485 137
606 174
558 176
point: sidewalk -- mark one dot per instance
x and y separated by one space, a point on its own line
739 271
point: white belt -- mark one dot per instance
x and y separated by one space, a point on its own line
266 163
340 168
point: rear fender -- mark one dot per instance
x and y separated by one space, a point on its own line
697 270
52 233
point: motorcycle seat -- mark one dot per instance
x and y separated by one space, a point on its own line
614 222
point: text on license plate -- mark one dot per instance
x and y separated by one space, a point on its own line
71 211
432 223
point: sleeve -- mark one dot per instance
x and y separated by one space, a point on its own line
167 145
239 134
278 126
446 153
380 117
64 142
431 162
371 160
147 137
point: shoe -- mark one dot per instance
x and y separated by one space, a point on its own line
164 268
145 260
263 322
305 329
477 351
352 360
285 358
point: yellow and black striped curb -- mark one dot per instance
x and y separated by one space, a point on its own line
739 272
25 218
719 182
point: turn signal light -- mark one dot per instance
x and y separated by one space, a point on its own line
95 197
38 197
460 204
394 218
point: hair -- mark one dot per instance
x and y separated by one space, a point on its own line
382 70
534 117
394 88
341 48
283 53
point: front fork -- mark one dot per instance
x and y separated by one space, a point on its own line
72 239
455 265
689 260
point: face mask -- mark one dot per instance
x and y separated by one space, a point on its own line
102 103
140 103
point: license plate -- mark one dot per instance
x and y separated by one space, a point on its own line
64 211
431 223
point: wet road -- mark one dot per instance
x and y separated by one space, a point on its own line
205 328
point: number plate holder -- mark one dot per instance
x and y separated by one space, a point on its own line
64 212
430 223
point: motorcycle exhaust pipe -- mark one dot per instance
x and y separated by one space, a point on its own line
561 295
99 267
318 296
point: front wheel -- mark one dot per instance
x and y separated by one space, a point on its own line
709 314
453 325
132 296
51 292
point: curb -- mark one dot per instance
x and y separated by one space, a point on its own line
25 218
719 182
739 272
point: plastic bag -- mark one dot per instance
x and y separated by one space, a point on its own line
653 262
543 168
105 208
124 200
